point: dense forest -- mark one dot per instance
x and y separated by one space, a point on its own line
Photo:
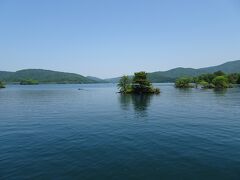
216 80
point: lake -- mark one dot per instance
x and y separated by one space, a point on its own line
61 132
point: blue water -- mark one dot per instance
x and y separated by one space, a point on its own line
60 132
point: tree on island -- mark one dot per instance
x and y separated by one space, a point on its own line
183 82
220 82
233 78
238 81
196 81
217 80
29 82
206 78
124 84
1 85
206 85
139 85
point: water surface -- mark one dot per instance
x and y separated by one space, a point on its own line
60 132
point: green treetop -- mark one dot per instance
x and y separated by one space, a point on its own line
220 82
233 78
1 85
217 80
219 73
139 85
124 84
183 82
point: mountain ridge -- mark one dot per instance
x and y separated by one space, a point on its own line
44 76
172 74
50 76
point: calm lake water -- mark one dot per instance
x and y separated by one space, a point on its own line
60 132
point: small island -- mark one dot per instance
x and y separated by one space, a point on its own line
217 80
2 85
183 82
138 84
29 82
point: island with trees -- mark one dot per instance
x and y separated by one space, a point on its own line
2 85
216 80
28 82
183 82
138 84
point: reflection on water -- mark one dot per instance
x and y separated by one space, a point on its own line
59 132
220 92
125 101
184 90
140 102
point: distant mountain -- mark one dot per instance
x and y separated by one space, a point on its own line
47 76
5 75
112 80
173 74
44 76
96 79
228 67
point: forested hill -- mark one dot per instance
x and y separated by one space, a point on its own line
47 76
173 74
44 76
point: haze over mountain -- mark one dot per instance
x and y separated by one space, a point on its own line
173 74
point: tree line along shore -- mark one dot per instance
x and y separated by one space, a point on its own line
23 82
216 80
139 83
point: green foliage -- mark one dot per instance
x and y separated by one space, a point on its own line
238 81
157 91
124 84
139 85
140 82
206 77
29 82
2 85
196 81
206 85
233 78
219 73
183 82
220 82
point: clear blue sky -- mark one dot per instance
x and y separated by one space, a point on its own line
108 38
